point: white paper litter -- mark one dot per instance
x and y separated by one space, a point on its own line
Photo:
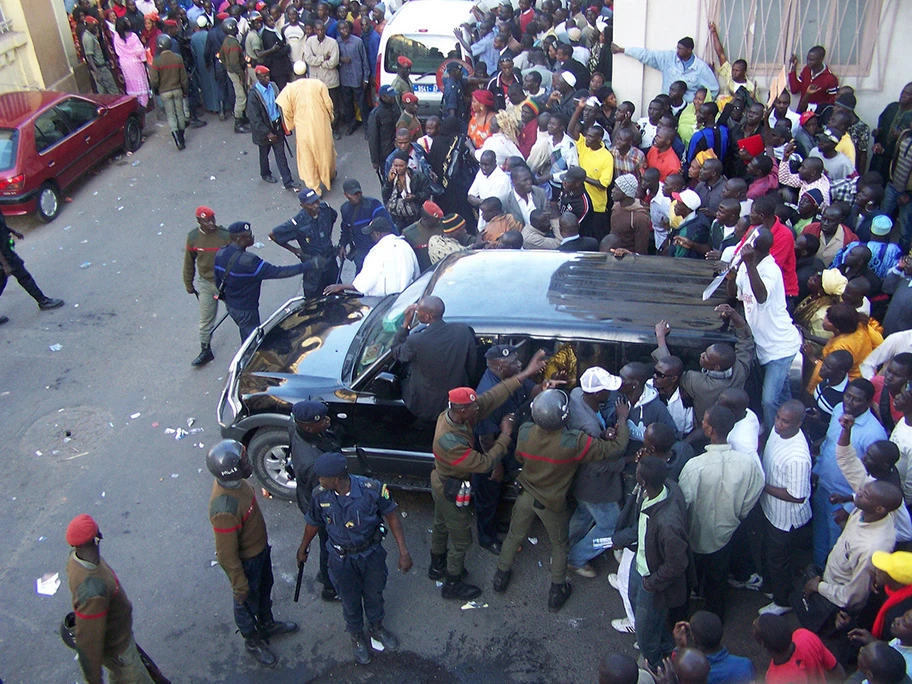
533 540
474 604
376 645
134 416
48 584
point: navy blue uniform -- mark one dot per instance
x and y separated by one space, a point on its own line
354 218
314 238
242 290
17 266
357 559
453 99
485 491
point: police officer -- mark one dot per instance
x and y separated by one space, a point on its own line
203 242
551 453
455 460
12 265
351 507
242 548
238 275
310 436
312 229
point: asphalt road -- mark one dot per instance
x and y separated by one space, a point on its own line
83 430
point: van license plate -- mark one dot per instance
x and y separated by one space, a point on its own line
426 89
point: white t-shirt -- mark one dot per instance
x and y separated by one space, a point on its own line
390 266
775 336
902 438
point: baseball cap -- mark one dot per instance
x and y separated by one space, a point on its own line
898 565
690 199
351 186
805 117
829 134
379 224
388 90
596 379
308 196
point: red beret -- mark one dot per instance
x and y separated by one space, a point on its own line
81 530
432 209
409 97
204 212
402 60
221 16
461 395
261 69
90 20
260 5
485 97
752 145
170 22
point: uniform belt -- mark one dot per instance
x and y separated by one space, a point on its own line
349 550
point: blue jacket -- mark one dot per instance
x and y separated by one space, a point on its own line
354 218
351 520
242 291
372 47
313 235
695 74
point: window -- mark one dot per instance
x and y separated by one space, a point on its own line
426 52
50 128
78 112
767 32
9 141
6 25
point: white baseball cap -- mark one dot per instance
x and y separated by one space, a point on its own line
597 379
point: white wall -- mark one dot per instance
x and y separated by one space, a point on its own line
659 24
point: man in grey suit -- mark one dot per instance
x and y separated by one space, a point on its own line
440 357
525 197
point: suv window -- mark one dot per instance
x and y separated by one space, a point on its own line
79 112
50 128
426 52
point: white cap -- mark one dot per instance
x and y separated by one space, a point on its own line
300 67
569 78
574 33
690 199
597 379
202 21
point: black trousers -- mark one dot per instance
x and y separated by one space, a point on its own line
712 578
335 94
278 151
486 495
18 272
780 552
256 611
747 544
349 97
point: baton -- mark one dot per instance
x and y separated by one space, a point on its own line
297 593
220 321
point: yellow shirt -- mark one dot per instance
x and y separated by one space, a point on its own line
727 87
847 147
598 164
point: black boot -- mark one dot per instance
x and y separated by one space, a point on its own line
176 139
205 356
3 319
180 140
196 122
360 649
47 303
259 650
455 588
437 569
502 580
558 596
388 639
239 126
273 627
329 593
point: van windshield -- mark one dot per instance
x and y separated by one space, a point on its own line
427 52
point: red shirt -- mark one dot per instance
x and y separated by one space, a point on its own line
809 663
525 18
666 162
825 80
783 252
878 382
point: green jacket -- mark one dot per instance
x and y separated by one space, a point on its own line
167 73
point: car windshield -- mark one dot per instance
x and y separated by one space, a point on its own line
427 52
381 326
9 138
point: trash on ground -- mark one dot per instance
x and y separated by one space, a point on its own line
174 476
439 584
154 424
258 245
533 540
38 453
85 264
56 347
190 422
376 645
48 584
474 604
134 416
170 431
180 433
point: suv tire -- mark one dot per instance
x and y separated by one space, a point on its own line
269 454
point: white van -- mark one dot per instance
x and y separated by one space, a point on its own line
422 30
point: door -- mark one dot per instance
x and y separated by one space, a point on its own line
93 129
61 154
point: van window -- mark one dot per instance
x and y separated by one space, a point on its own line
427 52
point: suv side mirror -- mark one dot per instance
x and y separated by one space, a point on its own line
385 386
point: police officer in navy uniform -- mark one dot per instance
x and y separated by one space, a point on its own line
312 229
11 264
310 436
351 508
238 275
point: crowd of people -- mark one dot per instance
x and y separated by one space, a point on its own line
699 480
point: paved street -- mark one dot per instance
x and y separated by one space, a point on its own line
83 430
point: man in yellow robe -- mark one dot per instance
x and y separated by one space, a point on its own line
308 110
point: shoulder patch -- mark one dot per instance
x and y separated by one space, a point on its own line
452 440
384 492
569 439
223 504
92 587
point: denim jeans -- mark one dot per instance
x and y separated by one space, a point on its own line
776 389
360 581
591 521
903 215
825 529
258 606
653 637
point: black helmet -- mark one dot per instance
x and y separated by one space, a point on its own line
68 630
551 409
224 461
163 42
230 26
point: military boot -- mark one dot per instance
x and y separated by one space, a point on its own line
181 144
360 649
259 650
273 627
501 580
437 569
384 636
240 127
558 596
176 140
455 588
205 356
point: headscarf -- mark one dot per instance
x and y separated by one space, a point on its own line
833 282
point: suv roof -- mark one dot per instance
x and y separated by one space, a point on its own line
429 16
573 295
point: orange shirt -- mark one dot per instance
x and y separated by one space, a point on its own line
479 129
666 162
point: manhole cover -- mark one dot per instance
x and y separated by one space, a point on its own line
68 433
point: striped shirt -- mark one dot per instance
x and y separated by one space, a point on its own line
828 396
787 463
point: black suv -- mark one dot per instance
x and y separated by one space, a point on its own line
595 309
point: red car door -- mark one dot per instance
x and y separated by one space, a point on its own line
94 130
61 150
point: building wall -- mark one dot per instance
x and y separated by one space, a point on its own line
659 24
37 51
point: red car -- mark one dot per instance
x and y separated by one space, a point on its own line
49 140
